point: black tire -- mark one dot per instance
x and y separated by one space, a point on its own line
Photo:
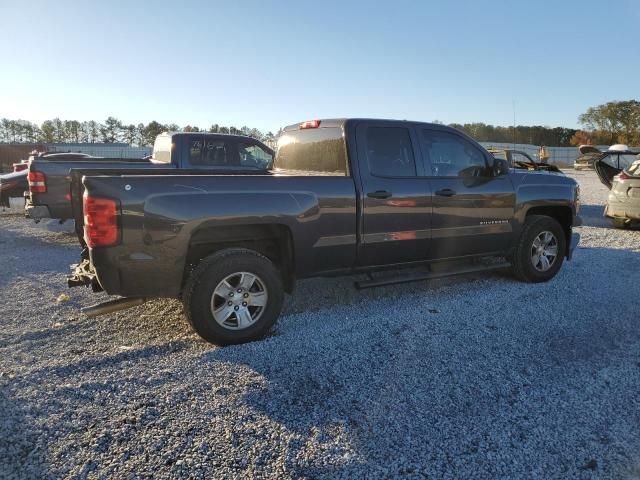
207 276
621 223
522 265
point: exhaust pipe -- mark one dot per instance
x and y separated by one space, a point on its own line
111 306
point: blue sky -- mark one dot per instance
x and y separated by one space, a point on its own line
268 64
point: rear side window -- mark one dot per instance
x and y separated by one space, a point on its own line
315 150
389 152
195 152
215 153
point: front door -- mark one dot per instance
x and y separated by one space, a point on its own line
396 198
472 208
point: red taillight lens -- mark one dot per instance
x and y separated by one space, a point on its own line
310 124
37 182
100 221
624 176
18 167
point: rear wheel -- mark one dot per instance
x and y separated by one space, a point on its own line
540 250
233 296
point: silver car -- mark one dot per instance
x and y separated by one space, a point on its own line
619 169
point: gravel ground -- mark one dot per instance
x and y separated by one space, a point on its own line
474 377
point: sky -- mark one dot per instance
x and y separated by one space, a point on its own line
267 64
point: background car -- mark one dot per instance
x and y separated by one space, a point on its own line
12 186
588 155
520 159
619 170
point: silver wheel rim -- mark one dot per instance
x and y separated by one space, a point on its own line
544 251
239 300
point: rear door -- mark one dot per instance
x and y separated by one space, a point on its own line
473 210
396 197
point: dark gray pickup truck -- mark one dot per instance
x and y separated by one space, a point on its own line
343 196
50 174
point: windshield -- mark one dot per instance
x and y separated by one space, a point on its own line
620 161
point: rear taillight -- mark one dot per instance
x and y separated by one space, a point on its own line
624 176
37 182
310 124
100 221
18 167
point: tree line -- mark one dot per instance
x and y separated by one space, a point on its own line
535 135
111 130
610 123
606 124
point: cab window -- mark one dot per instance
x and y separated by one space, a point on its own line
389 152
448 155
195 151
252 155
215 153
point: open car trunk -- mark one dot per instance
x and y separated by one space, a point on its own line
606 173
611 163
586 149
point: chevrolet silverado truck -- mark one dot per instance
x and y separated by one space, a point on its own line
50 174
343 196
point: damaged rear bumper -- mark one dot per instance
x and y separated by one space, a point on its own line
83 275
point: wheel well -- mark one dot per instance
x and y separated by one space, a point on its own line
563 215
272 241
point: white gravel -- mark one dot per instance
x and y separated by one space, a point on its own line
475 377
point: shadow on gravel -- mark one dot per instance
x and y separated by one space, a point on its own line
20 457
43 337
459 389
108 361
23 253
593 216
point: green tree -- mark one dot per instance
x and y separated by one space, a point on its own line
130 134
111 131
48 131
151 131
614 122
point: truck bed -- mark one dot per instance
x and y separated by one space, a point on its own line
55 201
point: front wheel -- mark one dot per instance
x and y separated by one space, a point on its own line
540 250
233 296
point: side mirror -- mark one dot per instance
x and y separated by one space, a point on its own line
500 167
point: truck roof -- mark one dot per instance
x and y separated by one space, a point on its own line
218 134
339 122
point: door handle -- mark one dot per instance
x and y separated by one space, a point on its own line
379 194
447 192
